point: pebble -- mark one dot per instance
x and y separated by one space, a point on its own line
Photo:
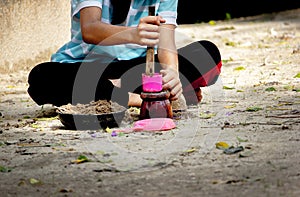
11 142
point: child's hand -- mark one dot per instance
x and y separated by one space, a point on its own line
172 82
148 30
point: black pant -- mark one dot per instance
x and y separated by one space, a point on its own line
62 83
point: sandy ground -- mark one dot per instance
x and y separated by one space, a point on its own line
255 105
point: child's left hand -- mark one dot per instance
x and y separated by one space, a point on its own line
171 82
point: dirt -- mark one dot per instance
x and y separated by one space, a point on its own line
94 107
254 105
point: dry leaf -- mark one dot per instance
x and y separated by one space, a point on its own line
222 145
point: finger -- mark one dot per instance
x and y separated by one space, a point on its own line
149 42
176 89
162 20
149 20
173 85
148 27
163 72
149 35
176 96
170 79
166 77
155 20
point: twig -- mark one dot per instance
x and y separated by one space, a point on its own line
280 116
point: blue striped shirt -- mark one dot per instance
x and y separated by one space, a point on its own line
78 51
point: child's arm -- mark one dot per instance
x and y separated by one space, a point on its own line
96 32
168 58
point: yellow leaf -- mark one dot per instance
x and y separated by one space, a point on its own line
212 22
191 150
222 145
36 126
230 106
81 159
108 130
78 161
34 181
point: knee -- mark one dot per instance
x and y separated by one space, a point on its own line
211 48
35 73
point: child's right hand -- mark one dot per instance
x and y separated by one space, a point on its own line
147 31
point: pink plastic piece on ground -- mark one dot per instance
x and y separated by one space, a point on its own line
154 124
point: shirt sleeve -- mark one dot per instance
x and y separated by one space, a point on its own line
168 10
77 5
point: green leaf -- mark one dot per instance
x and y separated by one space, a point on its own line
253 109
241 140
228 60
297 76
239 68
121 134
270 89
5 169
206 115
289 87
228 88
228 16
230 43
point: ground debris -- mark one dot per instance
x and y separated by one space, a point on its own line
94 107
233 150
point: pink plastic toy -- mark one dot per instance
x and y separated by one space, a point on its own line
154 124
152 83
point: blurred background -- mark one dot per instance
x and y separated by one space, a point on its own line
31 30
195 11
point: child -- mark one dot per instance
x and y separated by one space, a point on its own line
108 44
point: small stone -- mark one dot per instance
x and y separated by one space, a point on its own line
226 123
11 142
